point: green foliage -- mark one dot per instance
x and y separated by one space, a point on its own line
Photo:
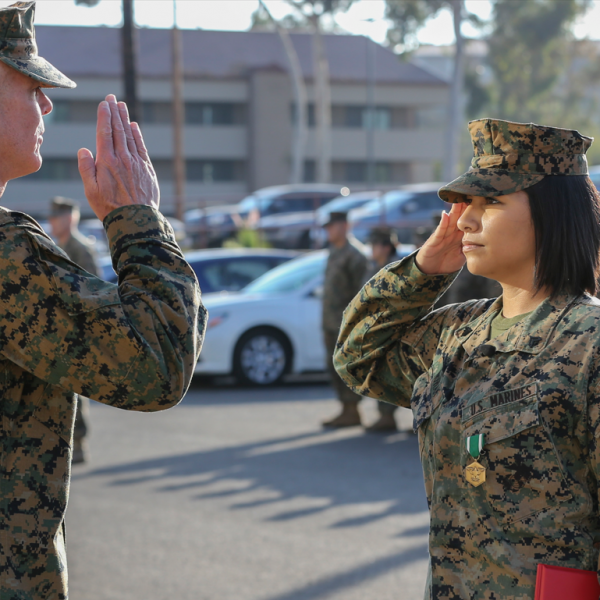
262 22
530 48
407 17
319 8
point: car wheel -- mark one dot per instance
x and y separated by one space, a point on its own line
262 357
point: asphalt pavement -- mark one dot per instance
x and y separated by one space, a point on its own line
238 494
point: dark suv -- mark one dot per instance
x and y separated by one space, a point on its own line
407 209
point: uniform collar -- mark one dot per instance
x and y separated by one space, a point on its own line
530 335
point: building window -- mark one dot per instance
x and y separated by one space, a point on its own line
358 172
310 171
157 113
79 111
359 117
310 114
57 169
215 113
209 171
205 171
432 117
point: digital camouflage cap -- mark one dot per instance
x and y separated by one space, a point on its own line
18 48
510 157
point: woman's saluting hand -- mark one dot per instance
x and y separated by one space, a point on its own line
442 252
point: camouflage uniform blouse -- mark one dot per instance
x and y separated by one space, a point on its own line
535 394
65 332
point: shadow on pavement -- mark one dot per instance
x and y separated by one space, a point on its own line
357 576
323 467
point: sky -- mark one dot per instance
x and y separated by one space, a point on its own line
365 17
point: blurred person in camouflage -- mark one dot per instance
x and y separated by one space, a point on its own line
66 332
505 392
384 242
64 221
344 276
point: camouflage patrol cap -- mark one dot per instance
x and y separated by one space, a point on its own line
385 236
510 157
336 217
61 206
18 48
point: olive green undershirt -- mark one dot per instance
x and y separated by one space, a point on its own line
500 324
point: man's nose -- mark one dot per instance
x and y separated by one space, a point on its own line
45 103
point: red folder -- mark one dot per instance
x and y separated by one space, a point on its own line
562 583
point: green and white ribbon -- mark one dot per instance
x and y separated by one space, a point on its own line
475 444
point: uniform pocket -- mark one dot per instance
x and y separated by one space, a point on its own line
524 475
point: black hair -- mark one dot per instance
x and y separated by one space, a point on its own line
565 210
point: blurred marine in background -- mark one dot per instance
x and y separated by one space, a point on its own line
344 277
384 242
64 221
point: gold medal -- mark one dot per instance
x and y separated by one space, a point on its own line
475 474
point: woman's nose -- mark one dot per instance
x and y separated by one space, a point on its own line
467 221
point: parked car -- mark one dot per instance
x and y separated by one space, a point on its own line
224 269
405 209
211 226
303 230
270 328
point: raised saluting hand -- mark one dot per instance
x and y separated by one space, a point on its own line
442 252
122 173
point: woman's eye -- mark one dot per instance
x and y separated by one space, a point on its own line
491 201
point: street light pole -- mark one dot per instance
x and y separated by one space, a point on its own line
129 54
178 119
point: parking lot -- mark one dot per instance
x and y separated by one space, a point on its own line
239 494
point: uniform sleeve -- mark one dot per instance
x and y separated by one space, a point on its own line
389 334
135 345
593 420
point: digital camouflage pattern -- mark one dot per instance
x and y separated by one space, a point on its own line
18 48
344 276
65 332
534 392
510 157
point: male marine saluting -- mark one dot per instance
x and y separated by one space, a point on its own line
65 332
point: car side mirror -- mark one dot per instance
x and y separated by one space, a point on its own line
410 207
317 293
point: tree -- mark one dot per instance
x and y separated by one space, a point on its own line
299 88
314 11
128 35
408 17
530 48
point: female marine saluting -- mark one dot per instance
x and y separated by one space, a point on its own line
505 393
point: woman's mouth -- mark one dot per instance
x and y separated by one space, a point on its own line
470 246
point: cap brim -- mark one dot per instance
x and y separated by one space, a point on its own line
41 70
487 182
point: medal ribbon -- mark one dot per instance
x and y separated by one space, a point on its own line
475 444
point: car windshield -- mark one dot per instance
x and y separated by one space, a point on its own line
255 201
343 204
390 200
289 277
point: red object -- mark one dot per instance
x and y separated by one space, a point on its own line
562 583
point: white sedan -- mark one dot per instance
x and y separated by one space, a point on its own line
271 328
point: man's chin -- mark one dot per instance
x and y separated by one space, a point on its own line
33 166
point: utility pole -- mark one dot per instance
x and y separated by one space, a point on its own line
128 39
178 119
